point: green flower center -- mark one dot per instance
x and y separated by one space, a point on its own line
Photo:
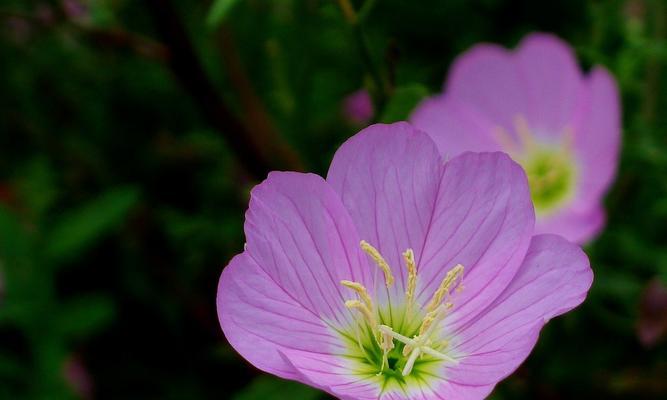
399 345
370 362
550 167
551 177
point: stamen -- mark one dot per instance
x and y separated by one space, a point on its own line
361 291
506 141
522 129
411 361
375 254
418 345
409 257
364 310
568 138
452 276
386 344
403 339
437 354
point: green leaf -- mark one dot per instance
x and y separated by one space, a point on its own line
83 316
14 241
218 11
402 103
267 387
37 186
78 229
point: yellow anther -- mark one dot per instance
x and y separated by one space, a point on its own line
445 286
364 310
375 255
361 291
434 316
409 257
506 141
568 138
523 131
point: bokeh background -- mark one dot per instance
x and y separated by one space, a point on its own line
132 130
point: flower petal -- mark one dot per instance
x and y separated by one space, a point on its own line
284 291
455 127
260 318
553 82
575 226
299 232
553 279
486 77
333 375
483 219
387 177
598 138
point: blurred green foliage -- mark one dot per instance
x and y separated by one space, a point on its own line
121 197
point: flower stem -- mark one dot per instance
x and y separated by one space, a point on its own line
355 21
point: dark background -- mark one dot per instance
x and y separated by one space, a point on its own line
132 131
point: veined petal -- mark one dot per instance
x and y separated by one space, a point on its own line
483 219
299 233
334 375
260 318
553 279
387 177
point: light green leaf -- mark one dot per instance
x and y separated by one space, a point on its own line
81 317
78 229
218 11
402 103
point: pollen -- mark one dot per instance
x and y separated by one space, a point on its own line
380 261
361 291
409 257
364 310
445 287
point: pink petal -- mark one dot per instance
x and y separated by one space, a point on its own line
598 138
333 375
575 226
487 78
260 318
300 243
455 127
483 219
553 279
387 177
553 83
299 232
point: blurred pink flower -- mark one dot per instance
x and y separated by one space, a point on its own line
78 378
75 9
358 107
535 104
652 325
444 297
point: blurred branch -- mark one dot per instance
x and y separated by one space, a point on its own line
188 70
112 37
256 118
650 103
381 92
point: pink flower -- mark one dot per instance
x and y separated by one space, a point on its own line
358 107
535 104
400 276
